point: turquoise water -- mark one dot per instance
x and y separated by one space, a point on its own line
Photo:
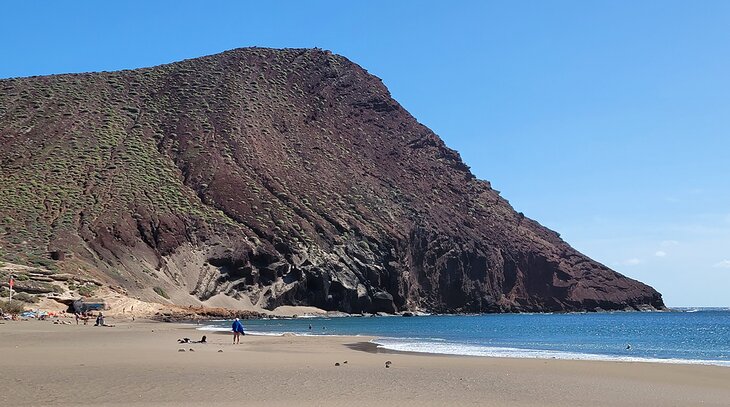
689 336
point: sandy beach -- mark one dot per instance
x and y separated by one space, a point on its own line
140 364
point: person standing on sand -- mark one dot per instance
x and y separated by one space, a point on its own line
237 328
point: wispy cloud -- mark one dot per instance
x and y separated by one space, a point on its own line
660 253
630 262
669 243
725 264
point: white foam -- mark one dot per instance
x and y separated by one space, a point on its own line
218 328
257 333
449 348
213 328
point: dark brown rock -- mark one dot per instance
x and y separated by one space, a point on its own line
58 255
280 176
32 287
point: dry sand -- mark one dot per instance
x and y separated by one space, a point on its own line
139 364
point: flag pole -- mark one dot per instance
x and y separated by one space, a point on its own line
12 282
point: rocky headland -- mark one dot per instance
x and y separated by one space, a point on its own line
260 178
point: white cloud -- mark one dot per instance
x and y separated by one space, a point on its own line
660 253
630 262
669 243
725 264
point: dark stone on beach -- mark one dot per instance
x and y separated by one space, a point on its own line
337 364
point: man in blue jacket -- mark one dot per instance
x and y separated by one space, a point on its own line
237 331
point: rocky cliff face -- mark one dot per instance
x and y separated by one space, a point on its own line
261 177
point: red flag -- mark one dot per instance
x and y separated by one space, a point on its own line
12 282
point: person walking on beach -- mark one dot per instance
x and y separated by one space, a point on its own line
237 328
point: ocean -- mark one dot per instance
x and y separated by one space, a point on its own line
698 336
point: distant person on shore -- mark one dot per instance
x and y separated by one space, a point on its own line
237 328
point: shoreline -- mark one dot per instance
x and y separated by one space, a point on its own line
141 364
373 346
292 312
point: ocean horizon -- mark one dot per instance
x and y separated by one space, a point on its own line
686 335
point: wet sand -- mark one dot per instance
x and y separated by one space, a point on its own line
139 364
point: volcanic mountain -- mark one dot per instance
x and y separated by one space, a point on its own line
262 177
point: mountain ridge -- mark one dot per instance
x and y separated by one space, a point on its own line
261 177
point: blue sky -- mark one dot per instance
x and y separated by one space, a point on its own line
607 121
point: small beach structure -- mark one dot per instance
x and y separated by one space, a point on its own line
89 304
